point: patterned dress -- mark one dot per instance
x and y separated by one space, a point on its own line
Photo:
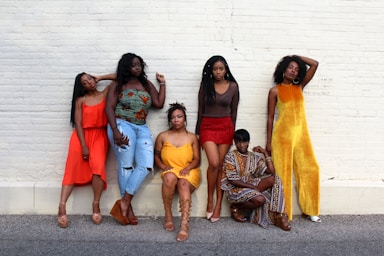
251 169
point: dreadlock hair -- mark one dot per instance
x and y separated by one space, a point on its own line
172 108
207 77
283 64
78 91
241 135
123 74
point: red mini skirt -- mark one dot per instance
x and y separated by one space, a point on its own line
220 130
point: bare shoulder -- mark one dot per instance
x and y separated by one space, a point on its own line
161 135
273 91
193 137
80 100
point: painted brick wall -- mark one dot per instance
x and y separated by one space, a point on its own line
44 44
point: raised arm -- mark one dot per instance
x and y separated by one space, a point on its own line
158 97
111 76
268 159
313 64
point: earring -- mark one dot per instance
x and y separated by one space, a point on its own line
295 81
227 75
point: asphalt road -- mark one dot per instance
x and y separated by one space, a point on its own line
336 235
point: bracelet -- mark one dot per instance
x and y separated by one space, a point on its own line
268 159
162 83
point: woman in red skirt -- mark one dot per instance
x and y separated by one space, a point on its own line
218 101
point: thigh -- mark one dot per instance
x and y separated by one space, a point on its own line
144 147
212 152
223 150
124 156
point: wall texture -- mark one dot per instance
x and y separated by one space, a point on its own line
44 44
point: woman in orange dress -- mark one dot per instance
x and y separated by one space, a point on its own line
88 147
177 154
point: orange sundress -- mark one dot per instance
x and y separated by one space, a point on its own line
77 170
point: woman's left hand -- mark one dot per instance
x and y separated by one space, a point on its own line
184 172
85 153
259 149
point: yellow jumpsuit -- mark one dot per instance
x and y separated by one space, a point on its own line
292 150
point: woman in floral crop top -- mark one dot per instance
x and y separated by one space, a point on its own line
130 97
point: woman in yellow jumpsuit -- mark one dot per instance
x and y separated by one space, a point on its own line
288 139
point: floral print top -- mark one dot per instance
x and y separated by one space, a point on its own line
133 106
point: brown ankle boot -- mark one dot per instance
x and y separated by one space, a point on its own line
236 214
185 206
168 218
282 221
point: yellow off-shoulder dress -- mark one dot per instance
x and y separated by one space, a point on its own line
179 158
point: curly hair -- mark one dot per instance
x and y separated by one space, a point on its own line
176 106
207 77
123 74
283 64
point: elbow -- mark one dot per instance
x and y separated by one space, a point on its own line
159 105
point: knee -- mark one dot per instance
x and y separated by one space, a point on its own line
169 180
270 181
258 200
183 185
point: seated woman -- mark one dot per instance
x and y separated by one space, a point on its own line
251 183
177 154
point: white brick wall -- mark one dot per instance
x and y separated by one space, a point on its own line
44 44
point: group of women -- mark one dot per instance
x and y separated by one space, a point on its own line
250 180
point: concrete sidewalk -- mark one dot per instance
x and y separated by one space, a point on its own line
336 235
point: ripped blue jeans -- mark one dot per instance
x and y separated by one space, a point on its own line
134 161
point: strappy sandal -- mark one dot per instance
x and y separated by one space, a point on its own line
281 221
63 219
183 233
96 216
168 223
